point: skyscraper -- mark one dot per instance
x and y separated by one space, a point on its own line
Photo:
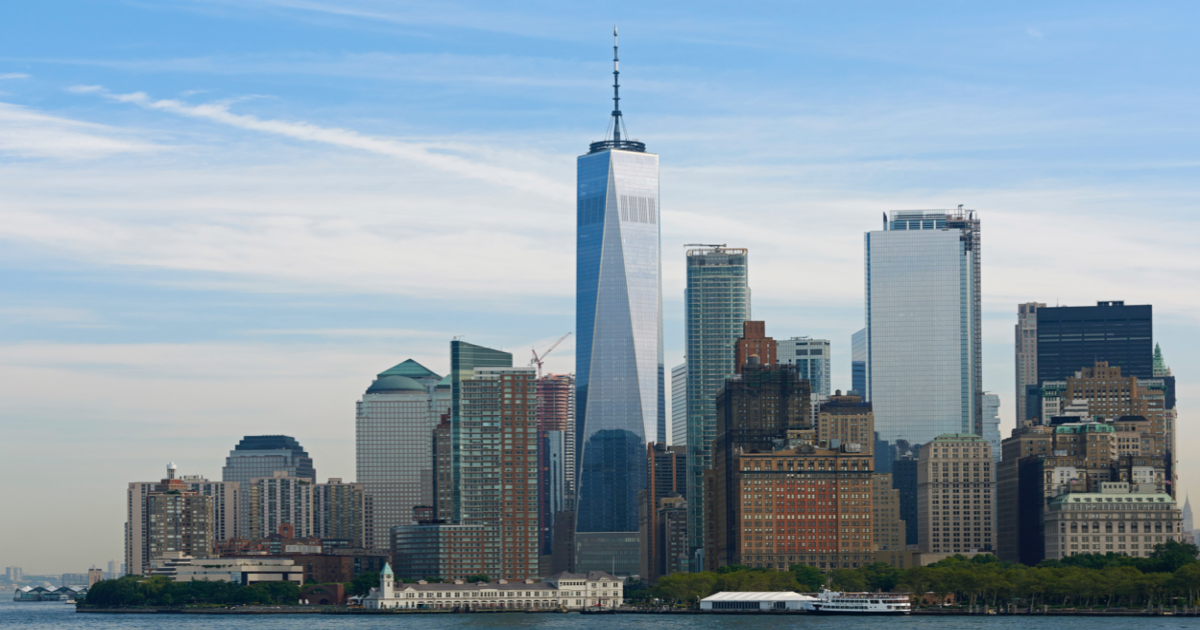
811 358
165 517
464 359
620 394
393 426
716 307
924 352
258 456
1073 337
678 433
1025 348
338 511
280 499
858 363
991 423
556 450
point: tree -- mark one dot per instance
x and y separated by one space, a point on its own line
364 582
810 579
881 576
1169 557
848 580
478 578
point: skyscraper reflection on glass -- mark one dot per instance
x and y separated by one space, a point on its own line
620 393
924 358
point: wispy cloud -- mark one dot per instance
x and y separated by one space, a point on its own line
219 112
29 133
14 75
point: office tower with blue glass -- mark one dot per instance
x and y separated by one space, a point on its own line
858 363
716 305
620 381
924 352
812 361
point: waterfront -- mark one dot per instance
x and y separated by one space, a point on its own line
37 616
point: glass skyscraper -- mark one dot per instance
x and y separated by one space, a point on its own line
393 450
924 353
620 393
858 363
716 304
678 436
464 358
812 361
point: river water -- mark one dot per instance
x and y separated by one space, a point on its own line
55 615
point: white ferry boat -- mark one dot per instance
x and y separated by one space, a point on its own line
834 603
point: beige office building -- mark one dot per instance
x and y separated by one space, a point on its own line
956 494
1121 518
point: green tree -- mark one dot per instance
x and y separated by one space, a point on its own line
881 576
810 579
364 582
848 580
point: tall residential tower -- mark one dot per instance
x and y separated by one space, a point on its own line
716 306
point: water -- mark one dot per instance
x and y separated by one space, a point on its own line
46 615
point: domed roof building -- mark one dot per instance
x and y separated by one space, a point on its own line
394 427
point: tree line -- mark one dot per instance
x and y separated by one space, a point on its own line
1108 580
160 590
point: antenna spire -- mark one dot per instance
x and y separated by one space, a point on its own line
617 121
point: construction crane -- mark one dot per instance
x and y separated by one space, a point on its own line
538 360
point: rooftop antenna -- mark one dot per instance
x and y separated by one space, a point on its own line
618 121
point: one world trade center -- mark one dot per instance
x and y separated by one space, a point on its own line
619 357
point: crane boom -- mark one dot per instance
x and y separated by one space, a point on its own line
537 360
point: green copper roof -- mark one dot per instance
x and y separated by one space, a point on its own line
445 382
387 569
394 383
1160 364
411 369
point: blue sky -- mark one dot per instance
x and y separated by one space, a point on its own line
221 218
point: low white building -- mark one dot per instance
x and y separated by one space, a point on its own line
244 571
573 591
732 600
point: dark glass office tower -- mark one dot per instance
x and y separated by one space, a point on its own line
1070 338
464 358
620 394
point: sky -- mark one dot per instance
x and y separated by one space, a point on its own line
223 217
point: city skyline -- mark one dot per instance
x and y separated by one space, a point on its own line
185 319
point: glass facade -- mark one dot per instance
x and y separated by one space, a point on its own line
716 304
393 426
257 456
811 358
678 436
620 393
858 363
924 355
464 358
1070 338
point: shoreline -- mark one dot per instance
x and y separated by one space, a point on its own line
325 610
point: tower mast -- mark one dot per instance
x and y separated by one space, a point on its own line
616 91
